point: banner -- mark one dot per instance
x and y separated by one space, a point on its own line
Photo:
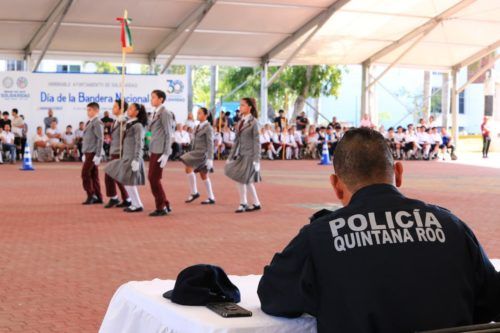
33 94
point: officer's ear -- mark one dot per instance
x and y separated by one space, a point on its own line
337 187
398 173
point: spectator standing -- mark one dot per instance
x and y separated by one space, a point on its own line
281 121
107 121
485 132
79 138
301 121
47 121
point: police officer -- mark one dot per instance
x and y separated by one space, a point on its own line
383 262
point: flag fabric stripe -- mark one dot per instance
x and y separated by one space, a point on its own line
125 34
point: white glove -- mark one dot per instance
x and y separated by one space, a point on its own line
121 118
210 164
256 166
135 166
163 160
83 158
97 160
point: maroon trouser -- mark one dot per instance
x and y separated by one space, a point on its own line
111 184
154 177
90 177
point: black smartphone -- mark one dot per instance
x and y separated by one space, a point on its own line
229 310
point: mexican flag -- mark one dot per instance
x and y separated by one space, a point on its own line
126 35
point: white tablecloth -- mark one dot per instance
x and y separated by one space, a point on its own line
139 307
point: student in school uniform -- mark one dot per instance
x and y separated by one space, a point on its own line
129 169
92 149
243 164
162 128
200 158
116 131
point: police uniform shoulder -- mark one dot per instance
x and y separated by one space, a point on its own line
320 214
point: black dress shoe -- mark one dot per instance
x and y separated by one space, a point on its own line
112 203
241 209
161 212
97 200
192 197
133 209
254 208
167 207
208 202
124 204
89 201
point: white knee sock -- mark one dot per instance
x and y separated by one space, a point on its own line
253 193
133 193
192 183
270 154
242 189
210 192
288 153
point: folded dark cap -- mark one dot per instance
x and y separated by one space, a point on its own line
203 284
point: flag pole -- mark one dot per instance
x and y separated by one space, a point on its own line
220 131
122 96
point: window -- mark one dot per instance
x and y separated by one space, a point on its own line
436 96
68 68
461 103
15 65
62 68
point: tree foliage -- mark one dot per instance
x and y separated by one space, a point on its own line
295 83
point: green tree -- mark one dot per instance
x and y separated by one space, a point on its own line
295 83
106 67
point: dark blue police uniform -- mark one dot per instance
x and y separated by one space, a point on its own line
384 263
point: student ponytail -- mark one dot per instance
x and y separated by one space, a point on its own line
253 106
208 114
142 116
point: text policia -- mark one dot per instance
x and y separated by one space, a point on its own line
361 230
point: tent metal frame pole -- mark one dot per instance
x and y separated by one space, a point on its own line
189 83
319 19
44 28
213 87
264 93
430 24
53 33
454 107
201 11
179 47
480 72
291 56
398 59
478 55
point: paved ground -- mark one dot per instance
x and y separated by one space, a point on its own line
60 262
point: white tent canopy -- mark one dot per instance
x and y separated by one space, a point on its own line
248 32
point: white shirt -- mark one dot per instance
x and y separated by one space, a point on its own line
79 133
42 137
191 123
423 137
69 138
53 132
228 137
411 137
298 137
7 137
182 137
312 139
436 137
399 137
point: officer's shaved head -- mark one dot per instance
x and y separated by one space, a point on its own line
363 158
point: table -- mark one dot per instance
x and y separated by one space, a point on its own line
139 307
